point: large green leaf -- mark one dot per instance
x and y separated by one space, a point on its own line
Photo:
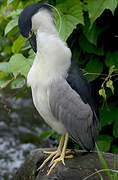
47 134
18 83
96 7
9 1
31 56
104 143
4 81
18 44
90 48
111 58
115 127
93 33
108 115
71 15
14 13
114 149
94 68
5 67
19 65
11 25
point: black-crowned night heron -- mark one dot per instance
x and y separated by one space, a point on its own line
60 92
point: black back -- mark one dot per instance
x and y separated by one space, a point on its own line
79 83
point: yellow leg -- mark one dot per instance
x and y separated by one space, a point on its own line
62 156
53 154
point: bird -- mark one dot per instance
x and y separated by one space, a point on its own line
61 93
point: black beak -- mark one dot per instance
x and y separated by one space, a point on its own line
33 43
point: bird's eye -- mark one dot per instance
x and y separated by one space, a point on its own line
30 33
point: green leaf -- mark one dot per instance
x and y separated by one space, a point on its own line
90 48
7 49
92 33
114 149
2 74
19 65
71 14
102 93
111 59
5 67
18 83
96 7
22 92
115 127
108 115
47 134
14 13
76 146
4 81
104 143
111 70
9 1
11 25
31 56
109 84
18 44
94 68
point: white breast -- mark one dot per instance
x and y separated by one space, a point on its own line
40 99
51 62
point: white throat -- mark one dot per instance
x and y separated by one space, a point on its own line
53 57
43 20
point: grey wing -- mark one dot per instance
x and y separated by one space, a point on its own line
77 117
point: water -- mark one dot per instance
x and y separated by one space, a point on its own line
20 127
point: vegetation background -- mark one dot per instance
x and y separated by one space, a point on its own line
90 29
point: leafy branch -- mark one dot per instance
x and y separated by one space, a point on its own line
108 83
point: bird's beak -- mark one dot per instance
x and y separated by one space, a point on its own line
33 43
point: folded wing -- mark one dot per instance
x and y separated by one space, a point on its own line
78 118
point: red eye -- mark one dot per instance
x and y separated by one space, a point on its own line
30 33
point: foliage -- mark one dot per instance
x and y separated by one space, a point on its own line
89 28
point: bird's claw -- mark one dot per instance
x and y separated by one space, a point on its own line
48 158
61 158
53 163
58 155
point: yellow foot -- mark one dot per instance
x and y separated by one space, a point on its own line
61 158
52 154
58 155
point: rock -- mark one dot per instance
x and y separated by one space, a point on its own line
82 165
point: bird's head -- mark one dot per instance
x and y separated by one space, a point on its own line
35 17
